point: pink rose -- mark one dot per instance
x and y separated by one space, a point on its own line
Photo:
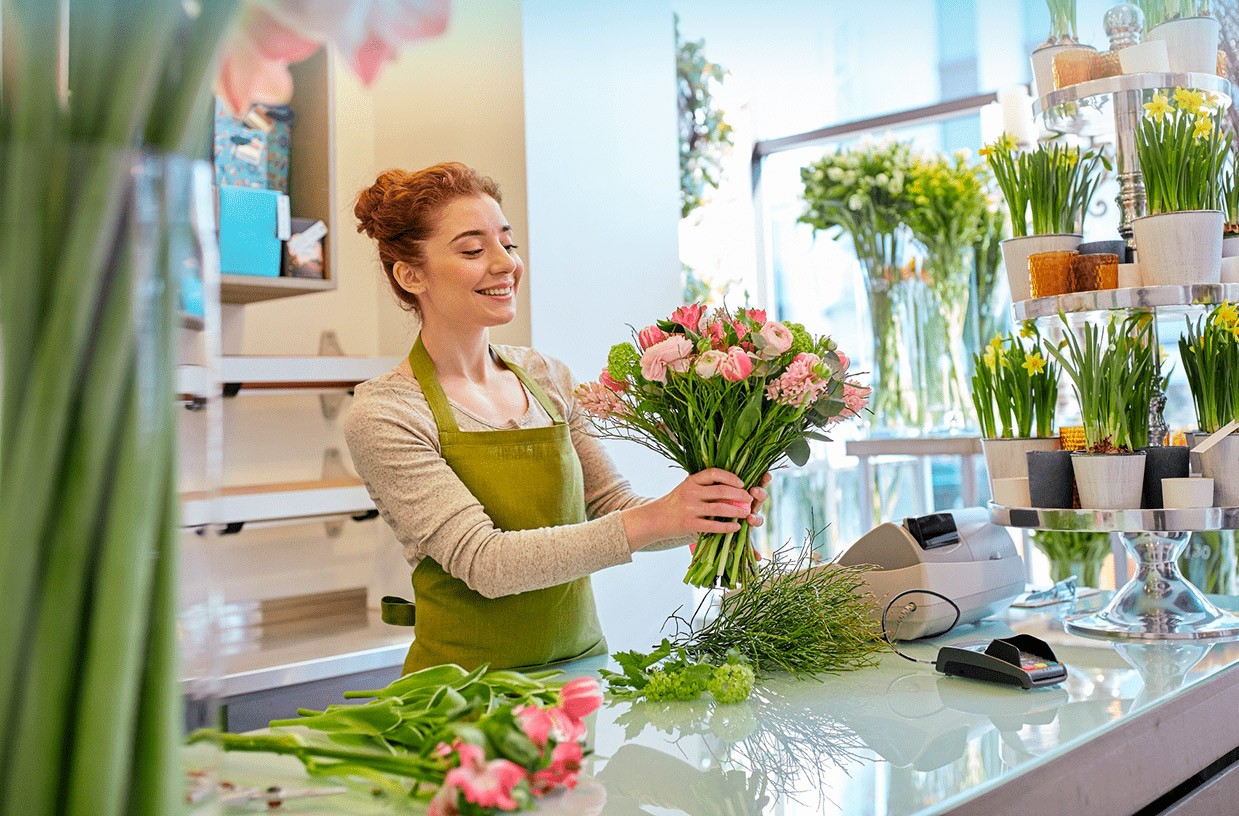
580 697
737 366
689 316
758 316
610 382
650 336
671 354
773 339
708 363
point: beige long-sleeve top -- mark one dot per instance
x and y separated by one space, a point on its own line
394 442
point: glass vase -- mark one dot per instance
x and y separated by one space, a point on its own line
894 401
1087 573
948 279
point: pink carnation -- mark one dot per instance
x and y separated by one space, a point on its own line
580 697
689 316
673 354
737 366
599 401
650 336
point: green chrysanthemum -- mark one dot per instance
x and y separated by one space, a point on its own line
624 361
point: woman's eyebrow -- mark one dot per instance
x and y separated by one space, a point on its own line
478 232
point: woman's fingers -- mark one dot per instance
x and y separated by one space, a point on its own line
713 526
717 476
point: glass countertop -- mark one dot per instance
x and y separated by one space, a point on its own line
895 739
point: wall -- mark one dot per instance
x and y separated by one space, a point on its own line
603 195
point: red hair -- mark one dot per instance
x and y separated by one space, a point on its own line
401 210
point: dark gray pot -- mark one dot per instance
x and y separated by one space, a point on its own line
1194 438
1050 478
1118 248
1169 462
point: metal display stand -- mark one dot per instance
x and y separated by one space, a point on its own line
1157 603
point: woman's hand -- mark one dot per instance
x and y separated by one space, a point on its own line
695 505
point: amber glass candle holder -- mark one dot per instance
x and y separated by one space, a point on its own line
1074 66
1107 65
1096 271
1221 63
1050 272
1072 437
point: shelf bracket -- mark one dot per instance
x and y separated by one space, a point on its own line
329 346
333 468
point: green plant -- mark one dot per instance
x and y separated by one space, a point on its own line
1182 152
705 136
1230 197
1065 550
1157 12
1062 21
1109 370
988 274
1210 353
1049 187
1015 388
668 673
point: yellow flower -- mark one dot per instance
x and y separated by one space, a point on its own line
1228 315
1204 126
1027 329
990 358
1034 364
1189 101
1159 108
996 344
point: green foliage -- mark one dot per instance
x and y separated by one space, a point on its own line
1183 153
1111 370
1015 387
669 673
1157 12
1210 352
988 270
1050 187
1062 21
705 136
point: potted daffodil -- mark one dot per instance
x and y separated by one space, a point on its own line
1190 32
1210 353
1047 191
1014 390
1111 367
1062 39
1182 153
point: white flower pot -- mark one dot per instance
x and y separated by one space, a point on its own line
1230 246
1043 66
1186 493
1015 252
1129 275
1221 464
1145 58
1179 248
1191 43
1005 459
1012 492
1109 481
1230 270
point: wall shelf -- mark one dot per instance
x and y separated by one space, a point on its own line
278 501
310 371
254 288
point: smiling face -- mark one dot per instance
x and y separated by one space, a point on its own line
471 273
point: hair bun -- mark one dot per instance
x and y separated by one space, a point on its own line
369 205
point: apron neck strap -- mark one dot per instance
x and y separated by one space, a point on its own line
424 370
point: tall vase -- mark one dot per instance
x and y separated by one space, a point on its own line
893 402
89 669
948 278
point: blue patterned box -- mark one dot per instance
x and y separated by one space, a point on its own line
240 151
278 141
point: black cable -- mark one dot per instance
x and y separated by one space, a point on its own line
911 607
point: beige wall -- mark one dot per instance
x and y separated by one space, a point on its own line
459 97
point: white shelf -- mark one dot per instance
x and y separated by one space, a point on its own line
255 372
276 502
254 288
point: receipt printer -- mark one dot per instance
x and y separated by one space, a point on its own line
959 554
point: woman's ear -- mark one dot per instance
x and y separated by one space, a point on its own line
412 279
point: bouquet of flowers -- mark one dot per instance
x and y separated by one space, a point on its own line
729 390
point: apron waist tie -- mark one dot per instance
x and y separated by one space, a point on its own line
397 611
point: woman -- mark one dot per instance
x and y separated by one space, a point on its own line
477 456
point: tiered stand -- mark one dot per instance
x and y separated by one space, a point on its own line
1158 603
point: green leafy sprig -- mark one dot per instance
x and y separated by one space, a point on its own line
668 673
1111 368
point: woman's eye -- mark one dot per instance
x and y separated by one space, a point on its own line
472 253
511 247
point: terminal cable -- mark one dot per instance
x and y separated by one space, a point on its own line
908 608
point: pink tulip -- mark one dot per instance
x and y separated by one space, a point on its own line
708 363
737 366
489 785
535 723
689 316
671 354
580 697
649 336
843 359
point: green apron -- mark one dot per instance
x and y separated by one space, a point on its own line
524 479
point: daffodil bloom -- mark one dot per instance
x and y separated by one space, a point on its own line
1189 101
1204 126
1027 329
1159 108
1228 315
991 359
1033 363
996 344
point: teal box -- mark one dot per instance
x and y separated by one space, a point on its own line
252 225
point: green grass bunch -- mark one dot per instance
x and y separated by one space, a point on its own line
1111 368
1047 189
1015 387
1210 352
1183 153
1157 12
1062 21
